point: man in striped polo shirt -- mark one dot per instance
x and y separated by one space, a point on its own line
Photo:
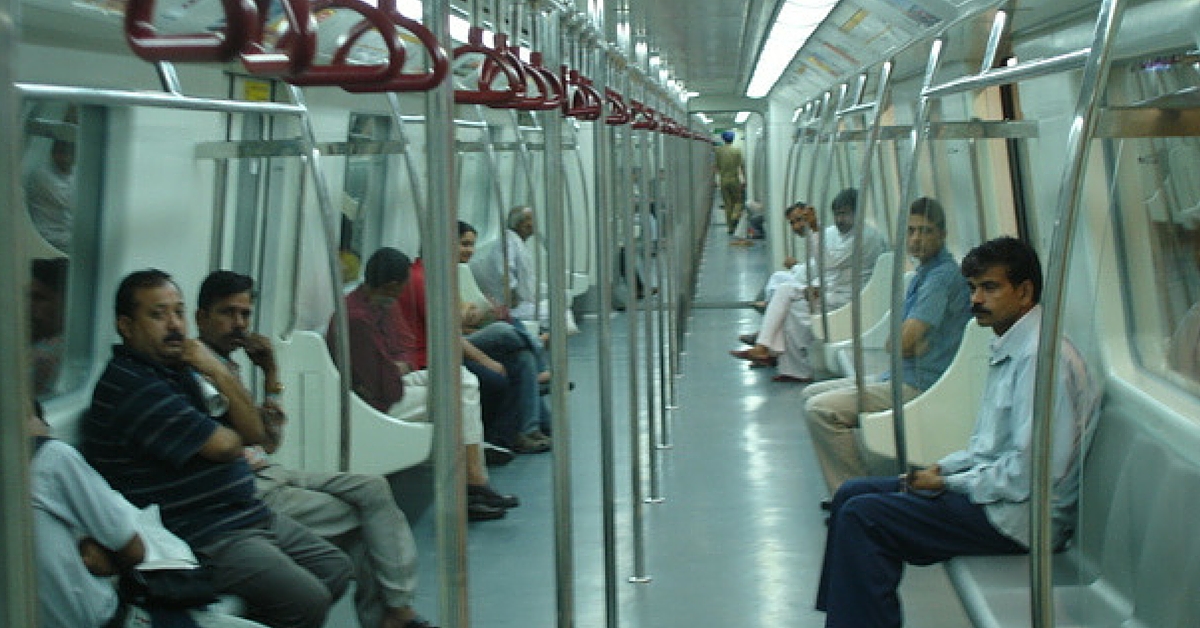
150 433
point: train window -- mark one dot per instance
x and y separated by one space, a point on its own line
1157 195
363 191
60 171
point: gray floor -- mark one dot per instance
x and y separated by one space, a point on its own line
737 539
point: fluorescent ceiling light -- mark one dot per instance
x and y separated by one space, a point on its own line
705 119
796 22
741 117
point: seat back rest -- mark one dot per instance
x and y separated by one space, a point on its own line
1109 456
1169 548
380 444
468 289
876 299
940 420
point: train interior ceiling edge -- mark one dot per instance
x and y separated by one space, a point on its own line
1027 119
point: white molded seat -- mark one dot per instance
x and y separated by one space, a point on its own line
876 302
939 421
379 444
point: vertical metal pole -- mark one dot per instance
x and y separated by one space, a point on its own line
977 189
666 206
882 95
18 598
564 540
829 125
636 439
1083 127
602 147
330 220
907 195
645 144
441 286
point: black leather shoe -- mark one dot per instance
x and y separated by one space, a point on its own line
497 456
478 511
484 494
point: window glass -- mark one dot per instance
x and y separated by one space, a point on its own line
1157 193
364 191
48 177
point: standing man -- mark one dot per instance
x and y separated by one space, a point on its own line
358 510
731 179
151 435
937 307
974 501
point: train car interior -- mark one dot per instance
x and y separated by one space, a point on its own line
627 172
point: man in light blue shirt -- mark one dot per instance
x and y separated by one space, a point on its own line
975 501
936 310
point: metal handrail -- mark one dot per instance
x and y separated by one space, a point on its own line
879 106
118 98
919 129
603 224
445 399
18 591
1083 127
830 122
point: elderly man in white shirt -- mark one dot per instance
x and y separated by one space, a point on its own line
505 269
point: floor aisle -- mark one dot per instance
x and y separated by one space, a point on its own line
737 540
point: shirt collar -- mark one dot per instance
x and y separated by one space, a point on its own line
1022 331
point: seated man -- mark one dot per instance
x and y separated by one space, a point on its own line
356 510
974 501
936 309
786 330
506 271
383 379
802 218
149 433
47 295
85 533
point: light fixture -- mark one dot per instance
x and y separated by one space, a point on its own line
741 117
795 23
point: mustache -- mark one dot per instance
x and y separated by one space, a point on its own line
979 309
174 337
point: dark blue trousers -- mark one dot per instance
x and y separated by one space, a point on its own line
874 529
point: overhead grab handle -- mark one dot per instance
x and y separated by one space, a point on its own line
584 102
643 116
494 65
293 54
549 84
435 57
619 110
241 20
341 71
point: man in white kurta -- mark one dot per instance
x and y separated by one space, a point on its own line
786 330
